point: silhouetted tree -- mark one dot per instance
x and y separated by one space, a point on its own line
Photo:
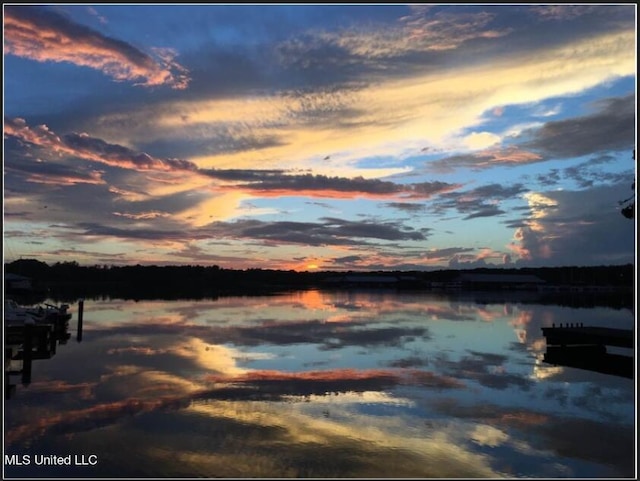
629 209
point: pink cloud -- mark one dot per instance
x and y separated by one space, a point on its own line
46 36
143 215
91 148
510 155
94 178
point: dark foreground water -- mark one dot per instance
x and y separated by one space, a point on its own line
319 384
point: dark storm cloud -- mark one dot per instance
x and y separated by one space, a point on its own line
611 127
45 36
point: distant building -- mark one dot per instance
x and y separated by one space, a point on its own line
390 281
363 281
499 281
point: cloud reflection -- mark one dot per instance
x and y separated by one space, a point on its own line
224 387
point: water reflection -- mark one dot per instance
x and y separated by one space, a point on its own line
26 343
319 384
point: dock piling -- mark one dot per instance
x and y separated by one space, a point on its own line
80 315
27 354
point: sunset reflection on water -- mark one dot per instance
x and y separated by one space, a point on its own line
323 384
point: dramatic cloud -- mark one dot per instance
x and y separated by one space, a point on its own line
329 231
52 174
482 201
90 148
413 124
564 226
278 183
46 36
422 31
501 156
611 127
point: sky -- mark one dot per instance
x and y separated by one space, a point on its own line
319 137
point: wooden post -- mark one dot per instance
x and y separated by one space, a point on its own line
27 352
80 313
53 342
9 389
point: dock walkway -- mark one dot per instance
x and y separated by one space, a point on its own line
587 335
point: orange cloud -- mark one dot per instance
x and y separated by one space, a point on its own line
45 36
142 215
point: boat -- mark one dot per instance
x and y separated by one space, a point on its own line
47 313
52 313
15 315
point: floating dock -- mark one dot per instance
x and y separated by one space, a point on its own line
577 334
585 347
591 358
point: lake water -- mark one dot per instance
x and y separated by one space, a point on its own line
320 384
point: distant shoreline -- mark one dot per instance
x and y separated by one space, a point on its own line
604 285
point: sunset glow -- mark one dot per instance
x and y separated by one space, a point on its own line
322 137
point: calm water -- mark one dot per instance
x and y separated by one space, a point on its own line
320 384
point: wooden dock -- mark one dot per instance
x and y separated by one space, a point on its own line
25 343
577 334
591 358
